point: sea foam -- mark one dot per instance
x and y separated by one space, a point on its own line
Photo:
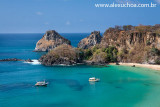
35 62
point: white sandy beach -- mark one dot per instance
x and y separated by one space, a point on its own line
155 67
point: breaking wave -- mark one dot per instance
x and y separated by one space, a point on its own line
35 62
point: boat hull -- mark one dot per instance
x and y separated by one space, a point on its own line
40 85
96 80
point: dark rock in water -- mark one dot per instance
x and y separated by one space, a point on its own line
133 66
15 59
28 60
11 59
52 60
92 40
95 63
117 63
49 41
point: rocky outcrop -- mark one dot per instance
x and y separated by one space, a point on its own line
28 60
63 54
50 40
11 59
53 60
92 40
15 59
95 63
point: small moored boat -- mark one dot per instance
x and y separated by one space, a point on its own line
93 79
41 83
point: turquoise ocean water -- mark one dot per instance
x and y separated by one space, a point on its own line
120 86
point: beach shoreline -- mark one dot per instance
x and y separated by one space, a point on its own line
150 66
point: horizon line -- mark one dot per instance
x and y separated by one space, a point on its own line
44 33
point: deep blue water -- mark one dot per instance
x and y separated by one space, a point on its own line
22 45
120 86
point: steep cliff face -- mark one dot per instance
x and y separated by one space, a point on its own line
90 41
128 39
50 40
133 46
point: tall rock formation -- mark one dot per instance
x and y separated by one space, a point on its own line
50 40
92 40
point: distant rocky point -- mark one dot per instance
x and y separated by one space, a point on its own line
91 40
10 59
50 40
15 59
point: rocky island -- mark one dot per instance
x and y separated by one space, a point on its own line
49 41
127 44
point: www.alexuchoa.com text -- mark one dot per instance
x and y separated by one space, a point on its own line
124 5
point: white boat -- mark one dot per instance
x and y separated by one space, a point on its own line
41 83
93 79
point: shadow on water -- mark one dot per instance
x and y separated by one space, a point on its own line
8 87
118 87
2 71
84 73
117 83
152 84
74 84
132 81
157 73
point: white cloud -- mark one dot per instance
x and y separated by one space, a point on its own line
68 23
39 13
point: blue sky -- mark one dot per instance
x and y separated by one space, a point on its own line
70 16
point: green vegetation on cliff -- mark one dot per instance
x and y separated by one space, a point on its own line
103 55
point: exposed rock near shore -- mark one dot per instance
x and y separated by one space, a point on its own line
50 40
11 59
92 40
15 59
95 63
28 60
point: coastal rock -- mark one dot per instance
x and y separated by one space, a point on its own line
92 40
28 60
10 59
95 63
50 40
52 60
133 66
117 63
61 55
